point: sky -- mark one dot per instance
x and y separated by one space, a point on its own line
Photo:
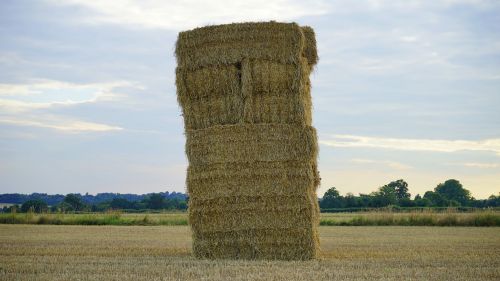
403 89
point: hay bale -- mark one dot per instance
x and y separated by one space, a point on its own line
253 91
244 91
250 143
218 180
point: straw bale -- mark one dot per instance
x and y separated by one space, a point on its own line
309 50
276 92
244 90
251 142
253 91
252 178
231 43
253 213
269 243
210 96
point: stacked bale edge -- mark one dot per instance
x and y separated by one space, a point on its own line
244 91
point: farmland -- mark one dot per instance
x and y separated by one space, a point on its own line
48 252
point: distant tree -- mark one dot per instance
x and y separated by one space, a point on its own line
64 207
182 205
37 206
366 200
176 204
385 196
10 209
401 188
350 201
406 202
423 202
493 201
435 199
100 207
73 202
331 199
96 203
121 203
155 201
453 190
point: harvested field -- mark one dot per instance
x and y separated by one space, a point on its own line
33 252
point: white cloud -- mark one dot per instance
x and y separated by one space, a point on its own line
178 15
62 124
410 5
19 103
13 106
481 165
42 93
391 164
349 141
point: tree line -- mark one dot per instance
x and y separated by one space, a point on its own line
54 199
76 203
451 193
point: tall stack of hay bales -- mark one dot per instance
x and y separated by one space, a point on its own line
244 91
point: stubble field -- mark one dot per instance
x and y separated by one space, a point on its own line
49 252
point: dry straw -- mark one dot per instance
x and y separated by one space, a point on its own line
244 91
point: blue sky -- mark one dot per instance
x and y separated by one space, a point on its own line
403 89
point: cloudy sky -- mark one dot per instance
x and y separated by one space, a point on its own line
404 89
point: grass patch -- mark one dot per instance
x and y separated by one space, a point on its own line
487 218
113 218
479 218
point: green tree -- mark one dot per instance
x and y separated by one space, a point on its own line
406 202
366 200
65 207
73 202
155 201
350 201
453 190
36 205
331 199
435 199
385 196
401 188
121 203
182 205
493 201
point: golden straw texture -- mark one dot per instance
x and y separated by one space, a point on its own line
250 143
245 94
